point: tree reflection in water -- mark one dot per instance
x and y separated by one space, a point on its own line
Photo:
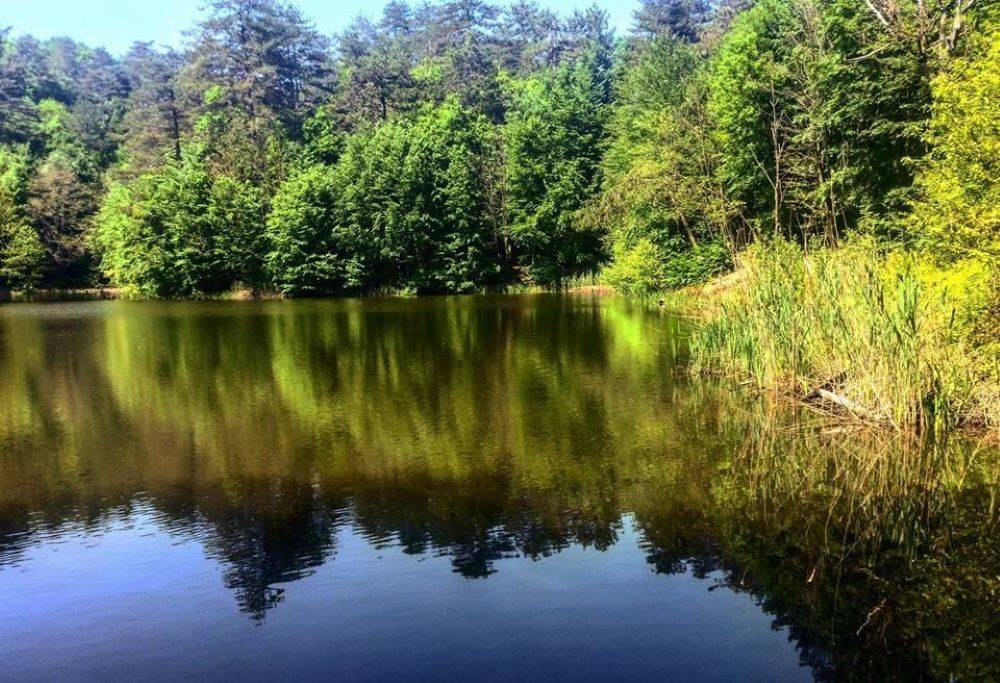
490 428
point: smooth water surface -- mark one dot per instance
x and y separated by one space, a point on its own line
489 488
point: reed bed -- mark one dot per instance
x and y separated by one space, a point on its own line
854 331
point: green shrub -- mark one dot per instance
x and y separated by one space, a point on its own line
646 268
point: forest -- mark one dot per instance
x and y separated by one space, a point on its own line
464 145
838 159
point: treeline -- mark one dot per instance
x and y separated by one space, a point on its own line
463 145
442 148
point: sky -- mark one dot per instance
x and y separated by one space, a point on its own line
116 24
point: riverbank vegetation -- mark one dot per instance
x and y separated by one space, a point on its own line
878 336
840 155
892 317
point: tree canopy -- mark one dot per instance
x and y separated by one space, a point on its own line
466 144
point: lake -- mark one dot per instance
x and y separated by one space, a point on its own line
485 488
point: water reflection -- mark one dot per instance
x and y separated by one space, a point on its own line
487 429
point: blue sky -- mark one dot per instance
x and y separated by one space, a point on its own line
115 24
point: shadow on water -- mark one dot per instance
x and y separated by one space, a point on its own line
481 429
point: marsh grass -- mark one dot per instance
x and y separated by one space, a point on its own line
854 331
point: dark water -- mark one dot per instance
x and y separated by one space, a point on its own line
508 488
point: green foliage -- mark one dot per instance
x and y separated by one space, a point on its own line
745 84
652 83
637 271
659 198
267 63
553 139
22 255
179 232
60 107
646 268
465 145
304 255
118 241
446 242
957 213
59 204
155 118
803 122
816 115
324 141
856 323
404 208
236 213
678 19
690 265
15 169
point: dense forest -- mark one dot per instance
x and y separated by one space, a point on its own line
465 145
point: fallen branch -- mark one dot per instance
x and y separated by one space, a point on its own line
840 400
826 393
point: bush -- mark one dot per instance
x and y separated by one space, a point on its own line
180 231
638 271
304 256
647 268
957 214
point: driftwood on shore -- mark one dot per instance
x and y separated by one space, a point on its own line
822 394
831 393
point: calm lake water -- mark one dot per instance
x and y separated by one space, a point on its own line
486 488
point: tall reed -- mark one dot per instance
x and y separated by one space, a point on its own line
856 329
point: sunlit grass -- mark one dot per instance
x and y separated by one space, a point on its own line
861 332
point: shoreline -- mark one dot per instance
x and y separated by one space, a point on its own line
865 338
120 294
61 295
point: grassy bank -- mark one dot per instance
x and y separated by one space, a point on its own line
878 336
